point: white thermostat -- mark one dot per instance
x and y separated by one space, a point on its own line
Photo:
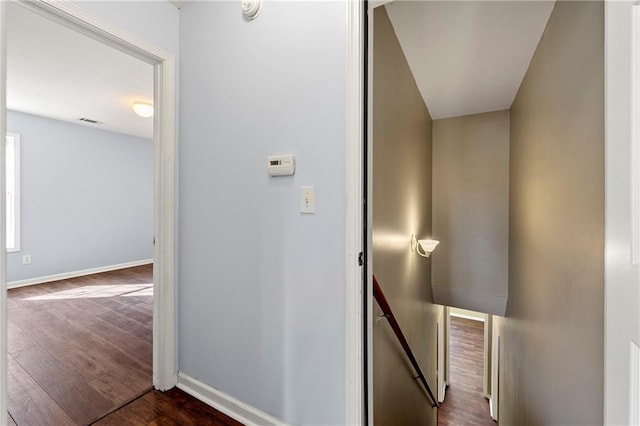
281 165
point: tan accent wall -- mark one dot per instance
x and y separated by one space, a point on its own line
401 207
471 211
552 346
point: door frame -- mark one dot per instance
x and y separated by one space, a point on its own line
164 63
622 205
357 239
443 353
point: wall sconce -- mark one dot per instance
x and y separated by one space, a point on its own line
143 109
427 246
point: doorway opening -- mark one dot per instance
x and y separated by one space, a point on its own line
79 168
160 281
467 369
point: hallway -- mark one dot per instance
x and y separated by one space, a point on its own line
464 403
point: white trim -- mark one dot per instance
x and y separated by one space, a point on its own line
486 359
17 178
238 410
3 238
634 384
73 16
621 279
442 353
74 274
369 194
447 336
354 390
465 316
165 368
494 398
635 137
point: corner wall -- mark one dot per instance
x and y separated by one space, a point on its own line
553 337
471 211
401 207
261 289
86 197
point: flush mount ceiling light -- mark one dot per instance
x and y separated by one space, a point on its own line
143 109
427 246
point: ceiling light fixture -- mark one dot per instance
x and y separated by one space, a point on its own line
427 246
143 109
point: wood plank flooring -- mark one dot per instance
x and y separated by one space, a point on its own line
173 407
80 347
464 402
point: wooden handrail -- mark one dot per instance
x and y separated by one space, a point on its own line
388 313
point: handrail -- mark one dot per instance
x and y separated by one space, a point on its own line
386 309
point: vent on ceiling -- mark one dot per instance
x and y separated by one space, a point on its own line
88 120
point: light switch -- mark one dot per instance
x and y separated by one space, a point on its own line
307 200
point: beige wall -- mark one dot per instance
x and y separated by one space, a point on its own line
471 211
552 345
401 207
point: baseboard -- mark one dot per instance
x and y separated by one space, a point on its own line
74 274
492 410
238 410
469 317
444 391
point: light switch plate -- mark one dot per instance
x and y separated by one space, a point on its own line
307 200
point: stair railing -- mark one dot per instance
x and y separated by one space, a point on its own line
388 314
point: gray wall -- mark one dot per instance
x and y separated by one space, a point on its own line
86 197
261 312
401 207
471 211
552 347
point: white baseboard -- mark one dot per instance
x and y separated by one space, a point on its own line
238 410
74 274
444 391
634 384
469 317
492 410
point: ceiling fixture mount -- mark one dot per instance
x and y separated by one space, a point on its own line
143 109
251 8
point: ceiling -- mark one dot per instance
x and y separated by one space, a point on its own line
55 72
468 57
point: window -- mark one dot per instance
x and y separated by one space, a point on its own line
13 192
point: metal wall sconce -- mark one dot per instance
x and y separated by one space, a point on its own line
423 247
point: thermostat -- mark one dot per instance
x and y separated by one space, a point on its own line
281 165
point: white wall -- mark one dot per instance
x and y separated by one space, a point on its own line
86 197
262 287
156 21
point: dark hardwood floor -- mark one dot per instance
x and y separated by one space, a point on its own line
80 347
173 407
464 402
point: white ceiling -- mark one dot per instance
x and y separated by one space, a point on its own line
58 73
468 57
